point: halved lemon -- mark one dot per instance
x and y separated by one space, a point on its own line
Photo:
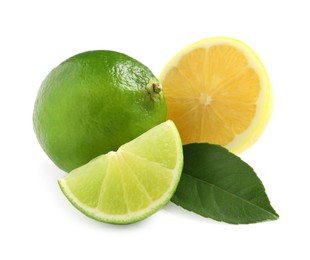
132 183
218 91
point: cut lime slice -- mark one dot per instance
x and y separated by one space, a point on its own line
132 183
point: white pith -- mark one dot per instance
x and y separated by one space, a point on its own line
137 215
264 101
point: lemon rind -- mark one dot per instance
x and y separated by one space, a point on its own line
265 100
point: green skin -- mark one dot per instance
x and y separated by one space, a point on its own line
93 103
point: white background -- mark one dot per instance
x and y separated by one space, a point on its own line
37 221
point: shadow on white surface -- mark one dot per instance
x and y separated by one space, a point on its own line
186 215
66 211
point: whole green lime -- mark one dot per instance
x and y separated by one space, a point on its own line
94 102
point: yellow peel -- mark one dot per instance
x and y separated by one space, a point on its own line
264 103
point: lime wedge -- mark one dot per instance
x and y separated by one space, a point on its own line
132 183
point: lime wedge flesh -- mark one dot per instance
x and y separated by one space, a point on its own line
132 183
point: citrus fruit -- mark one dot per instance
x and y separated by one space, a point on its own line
132 183
94 102
217 91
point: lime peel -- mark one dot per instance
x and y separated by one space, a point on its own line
86 102
131 183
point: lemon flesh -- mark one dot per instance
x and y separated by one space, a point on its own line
94 102
218 91
132 183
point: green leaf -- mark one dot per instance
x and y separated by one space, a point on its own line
219 185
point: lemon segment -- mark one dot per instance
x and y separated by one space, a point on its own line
218 91
132 183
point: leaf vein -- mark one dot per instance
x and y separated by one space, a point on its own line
230 193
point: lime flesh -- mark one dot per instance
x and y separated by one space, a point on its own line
132 183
